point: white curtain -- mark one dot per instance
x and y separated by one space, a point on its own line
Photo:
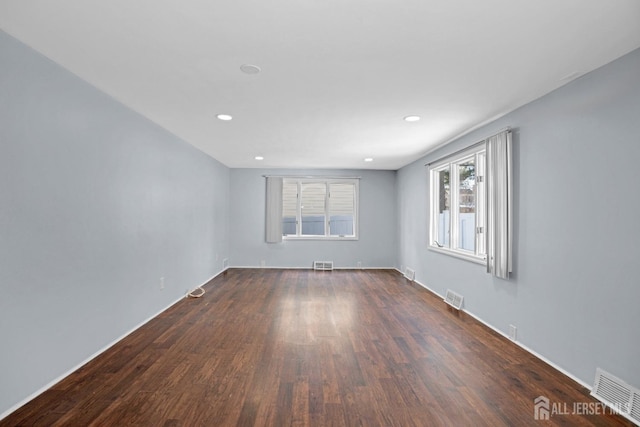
499 211
274 210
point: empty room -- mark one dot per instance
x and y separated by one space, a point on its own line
319 213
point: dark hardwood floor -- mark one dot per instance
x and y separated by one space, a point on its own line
304 348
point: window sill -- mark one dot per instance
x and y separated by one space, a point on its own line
459 255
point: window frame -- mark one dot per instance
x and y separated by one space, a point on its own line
327 208
452 163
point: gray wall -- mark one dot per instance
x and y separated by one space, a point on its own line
376 246
575 292
96 204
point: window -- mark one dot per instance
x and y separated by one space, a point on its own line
458 205
319 208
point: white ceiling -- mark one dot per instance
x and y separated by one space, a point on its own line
338 76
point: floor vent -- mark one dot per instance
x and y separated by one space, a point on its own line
410 274
453 299
323 265
618 395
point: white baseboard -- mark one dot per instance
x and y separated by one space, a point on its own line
94 355
271 267
518 343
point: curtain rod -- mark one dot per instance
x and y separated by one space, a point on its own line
312 176
507 129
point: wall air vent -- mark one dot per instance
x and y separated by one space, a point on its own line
323 265
618 395
410 274
453 299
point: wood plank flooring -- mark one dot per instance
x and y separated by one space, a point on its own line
304 348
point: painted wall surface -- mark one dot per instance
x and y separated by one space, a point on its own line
575 291
376 246
96 205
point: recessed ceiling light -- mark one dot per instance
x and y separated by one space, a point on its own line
259 158
224 117
412 118
368 159
249 69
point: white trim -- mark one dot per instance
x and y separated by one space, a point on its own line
460 255
266 267
451 164
446 159
309 268
518 343
312 177
94 355
291 237
460 135
532 352
327 182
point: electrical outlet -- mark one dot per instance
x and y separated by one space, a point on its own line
513 332
161 283
263 263
359 264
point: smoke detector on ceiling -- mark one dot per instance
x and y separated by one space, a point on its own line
249 69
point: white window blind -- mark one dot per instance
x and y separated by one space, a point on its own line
312 208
